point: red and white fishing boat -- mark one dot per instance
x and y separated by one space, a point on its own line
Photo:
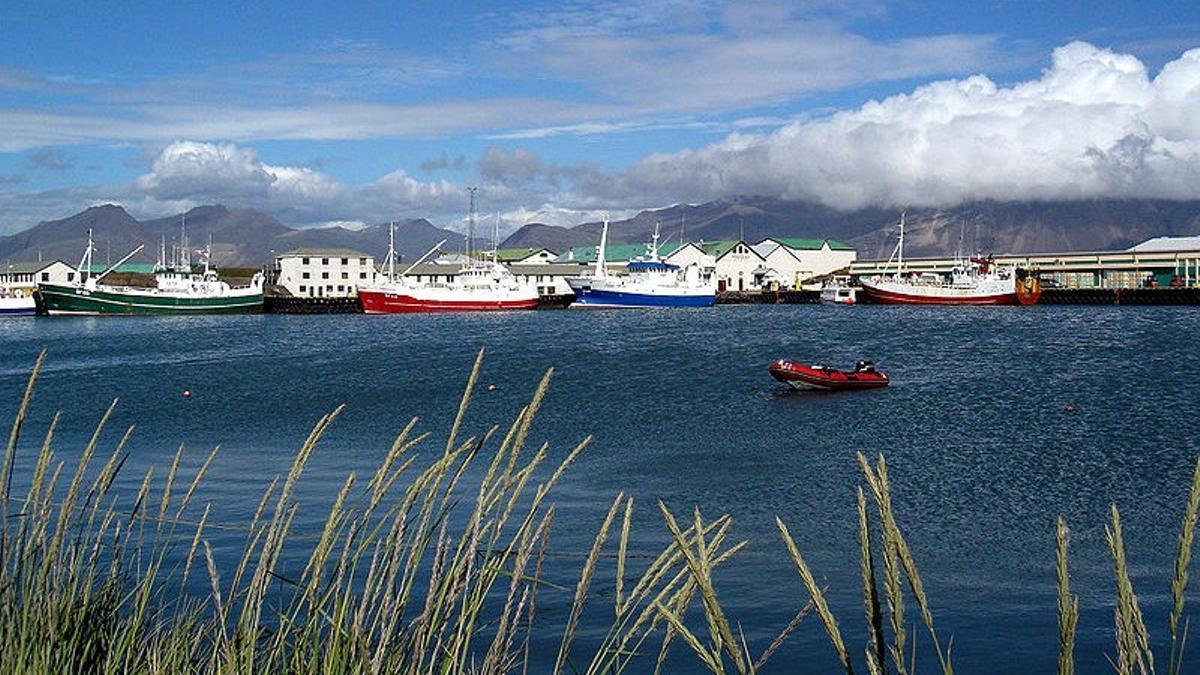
481 285
976 281
824 378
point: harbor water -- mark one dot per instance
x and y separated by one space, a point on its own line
998 420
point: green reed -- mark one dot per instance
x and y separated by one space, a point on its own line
435 570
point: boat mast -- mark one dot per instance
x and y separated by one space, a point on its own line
900 247
85 263
496 240
654 243
207 254
601 270
962 228
185 256
471 223
391 257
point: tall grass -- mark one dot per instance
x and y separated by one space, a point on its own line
438 566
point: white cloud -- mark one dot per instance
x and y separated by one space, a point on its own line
352 225
549 214
1093 124
187 169
402 188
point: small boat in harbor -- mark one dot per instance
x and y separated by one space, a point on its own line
177 290
650 282
838 291
824 378
975 281
17 302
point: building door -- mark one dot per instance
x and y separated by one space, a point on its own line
721 285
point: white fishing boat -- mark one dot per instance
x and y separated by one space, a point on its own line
973 281
480 285
650 282
177 290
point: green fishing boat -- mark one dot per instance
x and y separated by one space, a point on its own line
177 290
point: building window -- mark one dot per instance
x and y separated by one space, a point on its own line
362 261
345 275
305 275
329 288
324 261
70 276
303 288
345 261
362 275
45 276
324 275
304 261
341 288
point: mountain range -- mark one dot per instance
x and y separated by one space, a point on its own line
250 238
987 226
241 237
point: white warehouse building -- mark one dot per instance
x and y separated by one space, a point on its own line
324 272
28 275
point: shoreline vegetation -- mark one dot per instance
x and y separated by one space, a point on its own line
432 570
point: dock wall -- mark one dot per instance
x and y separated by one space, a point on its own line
768 297
1120 296
274 304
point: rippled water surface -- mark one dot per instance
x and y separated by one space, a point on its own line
982 454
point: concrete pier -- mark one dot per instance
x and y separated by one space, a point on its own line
1120 296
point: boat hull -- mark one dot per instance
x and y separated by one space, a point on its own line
18 306
594 298
71 300
380 302
894 296
813 378
891 293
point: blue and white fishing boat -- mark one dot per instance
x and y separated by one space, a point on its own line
651 282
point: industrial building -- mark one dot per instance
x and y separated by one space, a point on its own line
324 272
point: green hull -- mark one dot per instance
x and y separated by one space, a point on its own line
68 300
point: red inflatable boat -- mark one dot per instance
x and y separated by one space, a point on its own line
824 378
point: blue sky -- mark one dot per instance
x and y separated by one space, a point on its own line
360 112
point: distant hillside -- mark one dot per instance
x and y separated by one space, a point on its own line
250 238
241 237
1000 227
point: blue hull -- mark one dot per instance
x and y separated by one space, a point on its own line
19 311
597 298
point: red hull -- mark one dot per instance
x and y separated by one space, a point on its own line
881 297
829 379
375 302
